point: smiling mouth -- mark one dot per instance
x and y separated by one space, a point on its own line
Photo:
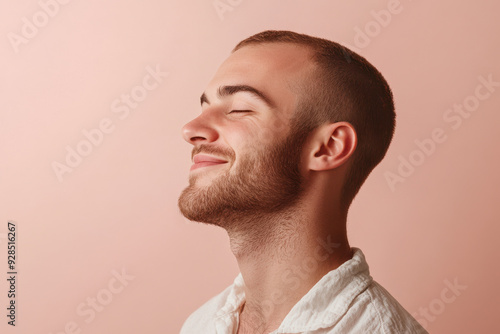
205 164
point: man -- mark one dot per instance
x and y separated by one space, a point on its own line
291 126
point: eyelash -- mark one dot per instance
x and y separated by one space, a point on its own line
240 111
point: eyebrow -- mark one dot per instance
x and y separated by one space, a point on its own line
224 91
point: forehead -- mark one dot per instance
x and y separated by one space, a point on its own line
277 69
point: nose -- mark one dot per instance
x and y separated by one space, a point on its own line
199 130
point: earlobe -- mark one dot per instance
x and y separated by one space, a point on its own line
333 144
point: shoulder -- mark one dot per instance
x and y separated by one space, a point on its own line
204 316
377 310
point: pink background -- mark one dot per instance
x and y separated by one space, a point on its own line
118 208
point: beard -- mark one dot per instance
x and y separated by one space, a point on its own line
266 182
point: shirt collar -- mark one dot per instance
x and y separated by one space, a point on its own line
323 305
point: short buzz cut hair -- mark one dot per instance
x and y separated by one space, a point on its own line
345 87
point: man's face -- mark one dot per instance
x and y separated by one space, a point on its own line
245 124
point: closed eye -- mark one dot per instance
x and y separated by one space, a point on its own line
240 111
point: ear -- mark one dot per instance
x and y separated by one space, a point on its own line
331 146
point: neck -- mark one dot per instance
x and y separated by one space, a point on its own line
282 256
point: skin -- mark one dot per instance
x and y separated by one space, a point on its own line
278 195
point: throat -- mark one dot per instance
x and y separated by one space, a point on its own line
256 321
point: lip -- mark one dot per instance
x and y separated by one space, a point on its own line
202 160
206 158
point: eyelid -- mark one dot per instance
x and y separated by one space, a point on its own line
237 110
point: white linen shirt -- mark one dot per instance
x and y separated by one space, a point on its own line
345 300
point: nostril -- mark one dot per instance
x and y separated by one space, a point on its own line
190 133
200 129
197 138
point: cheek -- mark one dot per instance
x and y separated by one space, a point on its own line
238 135
243 134
272 130
252 136
259 133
